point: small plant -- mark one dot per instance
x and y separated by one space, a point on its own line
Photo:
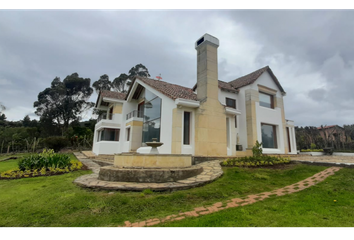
313 146
257 149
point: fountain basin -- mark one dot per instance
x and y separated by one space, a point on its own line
139 175
152 160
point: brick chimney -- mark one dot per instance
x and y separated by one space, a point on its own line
207 67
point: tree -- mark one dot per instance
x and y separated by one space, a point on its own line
139 70
119 83
64 101
26 122
102 84
2 108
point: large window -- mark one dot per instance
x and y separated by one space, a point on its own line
266 100
186 128
152 117
269 136
231 103
109 134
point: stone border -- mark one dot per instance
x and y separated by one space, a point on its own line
211 171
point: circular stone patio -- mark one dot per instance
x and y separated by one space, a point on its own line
211 171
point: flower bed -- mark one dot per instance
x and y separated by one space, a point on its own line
255 161
46 163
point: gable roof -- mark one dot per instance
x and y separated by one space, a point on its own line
170 90
253 76
110 94
223 86
176 91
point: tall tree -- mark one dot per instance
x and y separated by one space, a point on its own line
2 107
65 100
102 84
26 121
139 70
121 83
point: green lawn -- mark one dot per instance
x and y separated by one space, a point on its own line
56 201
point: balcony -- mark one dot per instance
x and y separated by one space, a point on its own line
105 116
135 113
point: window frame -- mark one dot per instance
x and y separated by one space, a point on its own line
275 139
271 96
102 132
233 100
189 128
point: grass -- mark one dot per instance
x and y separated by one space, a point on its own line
56 202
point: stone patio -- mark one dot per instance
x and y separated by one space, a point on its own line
342 161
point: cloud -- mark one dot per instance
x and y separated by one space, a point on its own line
4 82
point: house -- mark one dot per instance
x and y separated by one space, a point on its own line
333 133
214 118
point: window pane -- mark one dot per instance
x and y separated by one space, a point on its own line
149 96
152 110
230 102
268 136
186 128
151 130
108 134
265 100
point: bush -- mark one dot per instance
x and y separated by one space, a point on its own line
44 164
253 161
257 149
47 159
56 143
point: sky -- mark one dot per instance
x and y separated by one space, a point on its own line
311 53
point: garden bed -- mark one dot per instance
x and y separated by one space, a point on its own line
47 163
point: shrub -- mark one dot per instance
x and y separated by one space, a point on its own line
263 160
257 149
56 143
313 146
47 159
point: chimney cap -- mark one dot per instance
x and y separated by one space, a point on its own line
207 38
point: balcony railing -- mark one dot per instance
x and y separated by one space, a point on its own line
135 113
105 116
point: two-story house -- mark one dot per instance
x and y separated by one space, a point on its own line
214 118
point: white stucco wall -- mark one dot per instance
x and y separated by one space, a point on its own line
242 124
188 149
231 151
167 105
268 115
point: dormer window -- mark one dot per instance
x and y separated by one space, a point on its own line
230 103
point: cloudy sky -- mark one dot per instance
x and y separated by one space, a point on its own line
311 52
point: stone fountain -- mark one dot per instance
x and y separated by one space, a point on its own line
154 145
150 168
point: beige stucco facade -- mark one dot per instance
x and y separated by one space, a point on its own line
251 97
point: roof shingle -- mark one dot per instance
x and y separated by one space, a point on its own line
111 94
253 76
170 90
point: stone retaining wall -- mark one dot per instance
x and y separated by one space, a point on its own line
115 174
